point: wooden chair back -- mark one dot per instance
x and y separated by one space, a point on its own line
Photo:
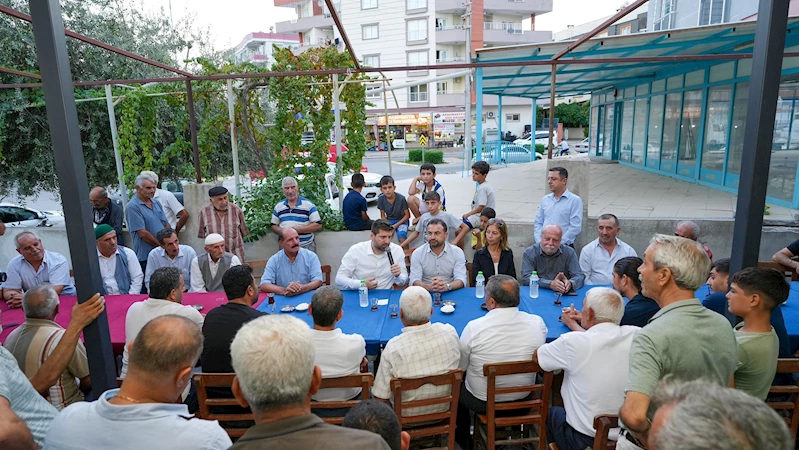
469 274
530 411
202 381
361 380
789 406
603 425
787 271
258 267
326 274
436 424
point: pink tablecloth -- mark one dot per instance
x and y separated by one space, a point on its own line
116 307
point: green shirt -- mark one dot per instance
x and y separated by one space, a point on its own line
685 340
757 356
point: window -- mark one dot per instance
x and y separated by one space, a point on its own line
664 15
441 24
441 56
626 29
719 100
711 11
689 132
417 30
417 94
369 32
626 131
417 58
441 87
415 4
655 130
371 60
372 87
512 117
602 34
368 4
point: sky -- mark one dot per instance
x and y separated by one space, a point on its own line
231 20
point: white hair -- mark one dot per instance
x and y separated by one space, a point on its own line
152 174
686 259
142 177
416 304
288 181
606 304
273 357
692 226
19 237
40 302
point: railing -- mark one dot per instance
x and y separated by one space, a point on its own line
449 92
503 26
449 60
417 97
449 27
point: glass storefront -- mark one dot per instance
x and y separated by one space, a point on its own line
689 133
639 130
717 121
656 104
627 131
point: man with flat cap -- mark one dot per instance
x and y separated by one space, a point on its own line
119 265
226 219
207 269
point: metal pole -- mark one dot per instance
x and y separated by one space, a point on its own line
532 130
62 119
551 111
478 128
193 130
467 127
337 128
123 190
231 115
388 132
761 109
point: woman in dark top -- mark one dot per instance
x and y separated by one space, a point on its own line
496 257
625 280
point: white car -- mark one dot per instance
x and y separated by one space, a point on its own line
19 216
371 183
582 147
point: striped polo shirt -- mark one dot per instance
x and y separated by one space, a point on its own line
301 214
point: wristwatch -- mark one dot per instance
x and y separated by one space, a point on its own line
449 288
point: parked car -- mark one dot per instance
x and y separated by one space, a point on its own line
383 147
371 187
541 137
510 153
582 147
20 216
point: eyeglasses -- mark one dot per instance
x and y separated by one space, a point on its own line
499 222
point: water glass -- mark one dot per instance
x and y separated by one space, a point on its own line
373 303
436 298
393 310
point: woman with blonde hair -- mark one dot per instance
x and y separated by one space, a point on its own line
495 257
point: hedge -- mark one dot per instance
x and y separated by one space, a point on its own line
431 156
540 148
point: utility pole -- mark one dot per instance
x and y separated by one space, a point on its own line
337 128
467 129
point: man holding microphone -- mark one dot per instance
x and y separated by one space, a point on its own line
373 261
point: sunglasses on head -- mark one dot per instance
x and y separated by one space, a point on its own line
499 222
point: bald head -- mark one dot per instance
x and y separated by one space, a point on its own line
99 197
166 345
40 302
551 236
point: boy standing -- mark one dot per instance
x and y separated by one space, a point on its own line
483 195
355 206
456 230
393 207
424 183
754 293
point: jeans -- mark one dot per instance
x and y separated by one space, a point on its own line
468 404
561 433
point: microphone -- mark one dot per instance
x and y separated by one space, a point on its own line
390 257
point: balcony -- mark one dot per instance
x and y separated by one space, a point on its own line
442 65
450 98
523 7
497 35
304 24
451 34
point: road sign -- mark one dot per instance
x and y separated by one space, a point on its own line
423 140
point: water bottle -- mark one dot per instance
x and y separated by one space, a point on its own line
534 285
480 285
363 294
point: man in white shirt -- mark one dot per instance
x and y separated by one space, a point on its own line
376 261
208 268
423 349
438 266
175 213
504 334
166 295
595 365
600 255
336 353
119 266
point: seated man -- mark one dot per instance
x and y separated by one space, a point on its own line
207 269
142 413
598 256
36 339
456 229
170 254
703 415
504 334
438 266
379 418
557 265
273 357
756 292
293 270
337 354
166 297
595 365
423 349
690 230
788 256
376 261
355 206
32 267
119 266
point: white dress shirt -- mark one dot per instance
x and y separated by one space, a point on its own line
361 263
170 204
450 265
502 335
337 355
108 267
597 264
197 280
420 351
566 212
595 365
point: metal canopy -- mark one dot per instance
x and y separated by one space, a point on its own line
533 81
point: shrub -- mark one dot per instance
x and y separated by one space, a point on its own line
431 156
540 148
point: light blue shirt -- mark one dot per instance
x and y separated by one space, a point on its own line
450 265
101 424
54 270
280 271
158 259
32 408
140 217
566 212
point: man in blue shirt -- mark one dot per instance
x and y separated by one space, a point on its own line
354 212
293 270
561 208
34 266
170 253
145 219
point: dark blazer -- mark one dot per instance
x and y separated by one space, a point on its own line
483 263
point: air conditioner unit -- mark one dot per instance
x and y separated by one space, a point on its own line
491 114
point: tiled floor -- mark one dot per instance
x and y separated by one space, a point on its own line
616 189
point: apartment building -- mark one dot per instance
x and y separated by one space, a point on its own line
257 47
386 33
672 14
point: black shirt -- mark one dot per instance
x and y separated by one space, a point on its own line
638 311
219 328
